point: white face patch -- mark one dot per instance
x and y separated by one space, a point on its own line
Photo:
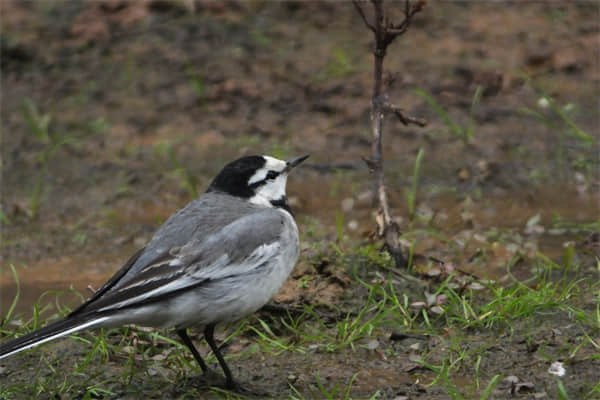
270 191
271 164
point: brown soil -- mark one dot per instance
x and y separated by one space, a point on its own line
135 93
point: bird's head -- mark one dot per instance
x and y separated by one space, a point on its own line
258 179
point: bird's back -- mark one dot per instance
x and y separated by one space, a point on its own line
206 239
197 221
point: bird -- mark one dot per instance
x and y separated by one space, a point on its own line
218 259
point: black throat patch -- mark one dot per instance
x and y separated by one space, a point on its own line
282 203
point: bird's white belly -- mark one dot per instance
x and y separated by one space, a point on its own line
232 299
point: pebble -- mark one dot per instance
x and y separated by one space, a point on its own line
347 204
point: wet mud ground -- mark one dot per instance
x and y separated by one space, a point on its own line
116 114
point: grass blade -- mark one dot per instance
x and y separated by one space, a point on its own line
15 300
452 126
487 392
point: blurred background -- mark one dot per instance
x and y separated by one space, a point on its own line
115 114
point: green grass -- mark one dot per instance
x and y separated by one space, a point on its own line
196 81
466 132
51 140
341 64
411 195
561 120
338 391
148 359
6 318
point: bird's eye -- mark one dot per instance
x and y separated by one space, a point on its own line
272 175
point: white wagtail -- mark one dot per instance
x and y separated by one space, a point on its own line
218 259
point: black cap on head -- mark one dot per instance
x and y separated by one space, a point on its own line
233 178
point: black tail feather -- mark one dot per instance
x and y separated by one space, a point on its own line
49 332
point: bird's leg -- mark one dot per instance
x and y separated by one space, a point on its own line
209 336
230 384
188 342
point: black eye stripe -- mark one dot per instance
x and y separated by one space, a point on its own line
272 174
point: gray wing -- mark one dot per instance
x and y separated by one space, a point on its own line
196 221
235 249
199 218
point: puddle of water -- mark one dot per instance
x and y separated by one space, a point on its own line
37 278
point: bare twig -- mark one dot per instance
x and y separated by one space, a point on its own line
362 14
370 164
385 32
409 12
405 119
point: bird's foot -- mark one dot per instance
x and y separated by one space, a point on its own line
236 387
207 379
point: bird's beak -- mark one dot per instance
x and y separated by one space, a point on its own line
294 162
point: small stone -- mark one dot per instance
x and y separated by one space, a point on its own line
557 368
159 356
543 102
415 346
579 177
373 344
347 204
365 198
313 348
